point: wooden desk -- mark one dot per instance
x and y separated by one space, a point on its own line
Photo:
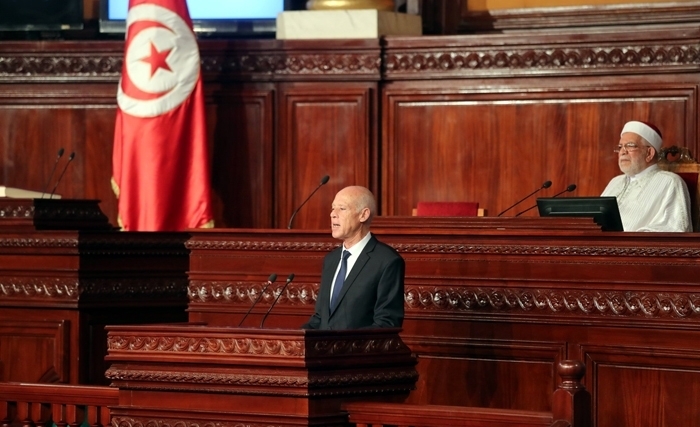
58 289
487 311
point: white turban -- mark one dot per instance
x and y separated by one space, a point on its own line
649 132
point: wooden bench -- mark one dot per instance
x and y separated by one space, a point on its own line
571 407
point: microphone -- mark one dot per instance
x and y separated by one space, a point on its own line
270 280
324 180
58 157
570 188
545 184
289 280
70 159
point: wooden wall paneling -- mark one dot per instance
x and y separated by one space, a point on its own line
642 387
46 342
327 129
241 128
495 141
38 119
486 373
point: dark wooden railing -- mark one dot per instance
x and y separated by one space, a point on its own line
570 408
36 405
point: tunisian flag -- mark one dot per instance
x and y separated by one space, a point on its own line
160 161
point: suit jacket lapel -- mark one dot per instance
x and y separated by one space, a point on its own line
357 268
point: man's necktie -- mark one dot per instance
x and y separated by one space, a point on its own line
340 279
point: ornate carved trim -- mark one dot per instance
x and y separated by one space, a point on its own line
260 246
39 287
288 64
483 61
73 289
198 345
567 250
586 302
247 292
118 421
134 288
259 346
31 242
77 66
180 378
249 65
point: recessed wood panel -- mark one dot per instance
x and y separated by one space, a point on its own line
496 144
324 130
241 133
34 351
78 119
637 386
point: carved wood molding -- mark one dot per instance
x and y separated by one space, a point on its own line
69 66
246 293
258 346
134 288
293 65
486 61
40 288
73 289
566 250
248 65
260 246
121 421
368 382
32 242
206 345
581 302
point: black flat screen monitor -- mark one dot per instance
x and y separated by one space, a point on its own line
603 210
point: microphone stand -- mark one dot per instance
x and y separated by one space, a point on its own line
324 180
289 280
570 188
546 184
270 281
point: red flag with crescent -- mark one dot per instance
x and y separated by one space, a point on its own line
160 160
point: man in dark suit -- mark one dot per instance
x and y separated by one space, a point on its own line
362 281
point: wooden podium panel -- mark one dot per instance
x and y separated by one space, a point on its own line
197 374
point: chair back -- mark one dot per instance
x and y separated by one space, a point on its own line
447 209
679 160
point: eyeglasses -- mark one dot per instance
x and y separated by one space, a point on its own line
630 146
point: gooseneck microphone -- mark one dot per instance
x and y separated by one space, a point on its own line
570 188
324 180
58 181
270 280
545 184
55 164
289 280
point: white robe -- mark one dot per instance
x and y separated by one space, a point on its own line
652 200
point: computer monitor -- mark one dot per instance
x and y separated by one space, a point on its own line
603 210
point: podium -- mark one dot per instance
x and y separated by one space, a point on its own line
202 375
